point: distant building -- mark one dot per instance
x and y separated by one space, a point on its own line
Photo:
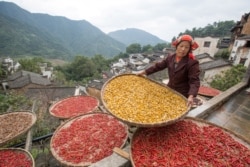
240 44
203 58
22 80
211 68
240 53
242 28
207 45
10 65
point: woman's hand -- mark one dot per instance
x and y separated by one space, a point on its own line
143 73
190 100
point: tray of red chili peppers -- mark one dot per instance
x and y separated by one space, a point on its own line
208 91
86 139
74 106
15 124
189 142
15 157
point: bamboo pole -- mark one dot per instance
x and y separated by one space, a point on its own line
28 143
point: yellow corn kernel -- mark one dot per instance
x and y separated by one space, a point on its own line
139 100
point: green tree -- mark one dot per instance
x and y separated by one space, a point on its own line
134 48
147 49
160 46
81 67
229 78
217 29
14 101
29 65
100 62
223 53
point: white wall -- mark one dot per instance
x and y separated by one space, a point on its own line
211 50
238 52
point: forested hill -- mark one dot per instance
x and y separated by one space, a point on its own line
25 33
217 29
133 35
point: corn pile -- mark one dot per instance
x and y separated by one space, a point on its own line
139 100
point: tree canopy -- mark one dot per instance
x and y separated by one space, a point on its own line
228 78
217 29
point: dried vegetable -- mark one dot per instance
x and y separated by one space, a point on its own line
14 124
87 139
188 143
74 106
208 91
138 100
15 158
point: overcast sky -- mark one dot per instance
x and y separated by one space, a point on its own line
163 18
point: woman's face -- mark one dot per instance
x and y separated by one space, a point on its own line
183 48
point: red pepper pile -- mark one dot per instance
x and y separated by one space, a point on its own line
74 106
13 158
89 138
208 91
185 143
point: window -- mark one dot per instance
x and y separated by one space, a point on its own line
247 44
242 61
235 43
207 44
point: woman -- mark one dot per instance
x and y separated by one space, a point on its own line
183 68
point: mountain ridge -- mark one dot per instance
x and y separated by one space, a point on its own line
133 35
40 34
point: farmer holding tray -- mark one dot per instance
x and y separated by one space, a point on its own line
183 68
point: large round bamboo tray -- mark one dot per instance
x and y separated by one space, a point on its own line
189 142
88 138
74 106
15 124
142 102
18 154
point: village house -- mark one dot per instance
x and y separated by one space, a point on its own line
207 45
10 65
22 80
240 41
46 71
211 68
242 28
205 57
240 53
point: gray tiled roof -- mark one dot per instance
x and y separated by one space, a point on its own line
53 93
202 56
98 85
246 37
23 78
214 64
19 74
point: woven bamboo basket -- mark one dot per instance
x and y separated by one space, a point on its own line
81 145
9 130
64 108
21 151
131 89
144 134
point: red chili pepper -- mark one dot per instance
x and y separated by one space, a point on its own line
14 158
74 106
89 138
187 144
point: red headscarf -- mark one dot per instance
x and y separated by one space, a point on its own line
194 45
